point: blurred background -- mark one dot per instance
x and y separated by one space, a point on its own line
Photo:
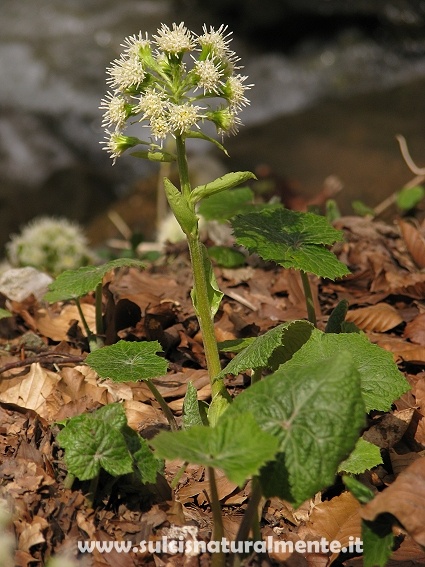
335 81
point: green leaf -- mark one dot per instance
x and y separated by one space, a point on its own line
191 414
202 136
361 492
378 542
128 361
72 284
227 205
316 412
409 197
184 214
147 464
214 294
364 457
226 256
291 239
91 443
227 181
337 317
240 451
381 381
271 349
155 156
362 210
5 313
235 345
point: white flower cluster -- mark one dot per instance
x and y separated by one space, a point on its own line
152 83
50 245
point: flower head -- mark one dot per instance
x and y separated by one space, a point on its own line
174 41
170 95
51 245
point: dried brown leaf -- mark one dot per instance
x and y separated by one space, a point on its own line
336 519
32 391
390 428
55 326
404 499
415 330
380 317
415 242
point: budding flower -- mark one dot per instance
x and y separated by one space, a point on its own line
158 88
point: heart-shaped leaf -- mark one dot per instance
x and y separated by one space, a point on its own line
128 361
316 412
291 239
381 381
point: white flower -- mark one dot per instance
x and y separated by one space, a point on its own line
151 103
209 76
183 116
174 41
235 91
160 127
134 44
126 74
216 41
116 110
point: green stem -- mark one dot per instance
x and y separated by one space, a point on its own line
69 480
200 284
218 559
178 476
311 313
206 322
250 519
164 406
92 491
91 337
99 314
256 375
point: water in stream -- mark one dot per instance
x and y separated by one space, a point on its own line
328 105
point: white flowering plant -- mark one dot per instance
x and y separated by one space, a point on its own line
51 245
173 83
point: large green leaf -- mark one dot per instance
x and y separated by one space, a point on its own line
104 440
381 381
291 239
128 361
237 446
271 349
72 284
92 443
316 412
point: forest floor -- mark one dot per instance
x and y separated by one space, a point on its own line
44 380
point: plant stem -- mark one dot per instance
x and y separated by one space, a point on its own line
99 315
92 491
164 406
91 337
178 476
311 313
250 519
256 375
69 480
200 286
205 319
218 559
